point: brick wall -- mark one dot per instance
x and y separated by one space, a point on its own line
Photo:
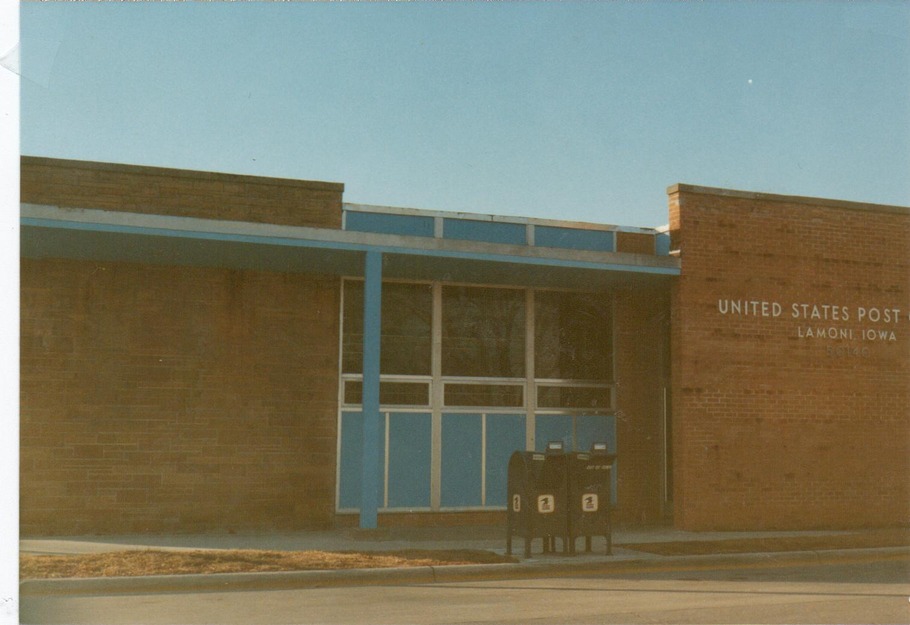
635 243
783 418
175 399
160 191
641 321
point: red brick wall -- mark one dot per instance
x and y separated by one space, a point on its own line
130 188
641 320
635 243
775 426
175 399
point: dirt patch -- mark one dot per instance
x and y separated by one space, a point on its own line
158 562
863 540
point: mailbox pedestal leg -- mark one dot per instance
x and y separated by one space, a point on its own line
609 534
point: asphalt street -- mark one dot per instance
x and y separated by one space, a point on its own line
858 592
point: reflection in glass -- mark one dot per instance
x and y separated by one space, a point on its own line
573 336
483 395
584 397
390 393
483 332
407 315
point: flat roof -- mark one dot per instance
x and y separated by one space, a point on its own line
116 236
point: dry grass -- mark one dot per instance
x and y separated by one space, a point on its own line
159 562
864 540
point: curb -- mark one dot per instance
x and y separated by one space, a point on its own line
287 580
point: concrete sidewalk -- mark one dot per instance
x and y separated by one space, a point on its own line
483 538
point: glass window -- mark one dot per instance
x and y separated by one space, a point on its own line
483 395
407 316
586 397
390 393
483 332
573 336
481 358
352 328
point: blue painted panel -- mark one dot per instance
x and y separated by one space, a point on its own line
663 244
461 460
489 231
574 238
409 460
505 435
350 461
590 429
380 223
553 428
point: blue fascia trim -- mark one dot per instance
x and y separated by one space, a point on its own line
342 246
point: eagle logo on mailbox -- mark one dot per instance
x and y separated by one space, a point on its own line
546 504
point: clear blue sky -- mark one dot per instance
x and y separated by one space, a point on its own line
580 110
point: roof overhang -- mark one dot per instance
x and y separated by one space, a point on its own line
114 236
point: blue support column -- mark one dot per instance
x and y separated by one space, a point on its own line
371 483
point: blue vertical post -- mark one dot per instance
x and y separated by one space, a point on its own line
371 482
